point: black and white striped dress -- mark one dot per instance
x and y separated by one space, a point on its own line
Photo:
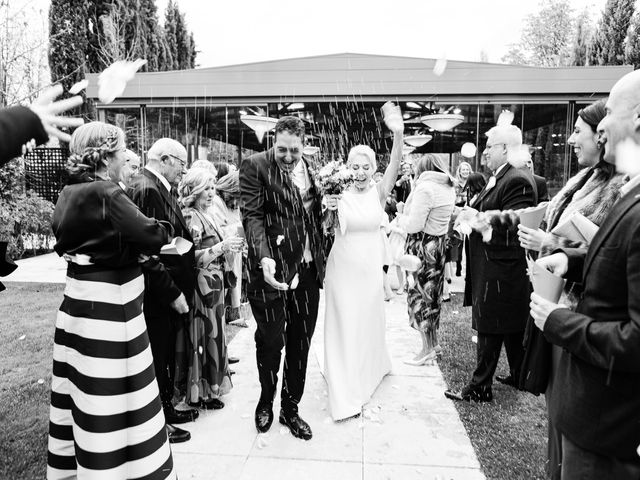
106 420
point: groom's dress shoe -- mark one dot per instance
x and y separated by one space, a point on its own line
177 435
471 393
180 416
298 427
264 418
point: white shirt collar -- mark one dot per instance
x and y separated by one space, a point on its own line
163 180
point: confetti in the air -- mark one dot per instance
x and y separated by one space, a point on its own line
113 80
440 66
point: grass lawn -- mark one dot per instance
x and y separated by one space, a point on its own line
509 434
29 310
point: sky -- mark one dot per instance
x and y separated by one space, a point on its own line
229 32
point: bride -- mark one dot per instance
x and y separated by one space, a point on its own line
355 352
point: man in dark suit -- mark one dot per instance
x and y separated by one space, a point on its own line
169 279
498 269
598 410
281 214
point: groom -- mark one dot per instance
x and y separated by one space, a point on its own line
281 213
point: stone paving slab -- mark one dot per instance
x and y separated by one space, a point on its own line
408 430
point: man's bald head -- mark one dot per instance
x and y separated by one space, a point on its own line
169 158
621 121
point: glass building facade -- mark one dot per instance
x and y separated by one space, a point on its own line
215 132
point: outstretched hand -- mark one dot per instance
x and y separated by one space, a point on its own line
269 274
48 110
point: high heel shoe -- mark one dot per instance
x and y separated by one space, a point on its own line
422 360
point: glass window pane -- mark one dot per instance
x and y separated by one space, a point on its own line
545 131
128 119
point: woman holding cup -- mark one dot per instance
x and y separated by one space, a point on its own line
208 376
592 192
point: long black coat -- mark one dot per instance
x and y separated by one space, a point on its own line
276 222
164 280
598 407
499 282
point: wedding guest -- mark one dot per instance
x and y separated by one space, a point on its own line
226 213
169 279
497 269
206 164
106 419
426 220
22 128
208 374
130 169
592 192
597 400
455 245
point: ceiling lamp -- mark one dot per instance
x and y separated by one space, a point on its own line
295 106
414 105
442 122
258 124
310 150
468 150
407 150
417 140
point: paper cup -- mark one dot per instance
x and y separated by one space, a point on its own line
545 283
533 218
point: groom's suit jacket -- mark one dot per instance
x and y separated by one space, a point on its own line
276 221
598 407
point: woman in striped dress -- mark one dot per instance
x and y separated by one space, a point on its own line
106 420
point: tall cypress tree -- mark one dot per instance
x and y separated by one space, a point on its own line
632 49
581 39
607 47
68 42
170 35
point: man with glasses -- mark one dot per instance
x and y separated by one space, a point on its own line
497 269
281 214
169 280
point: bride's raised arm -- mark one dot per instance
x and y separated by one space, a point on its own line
393 120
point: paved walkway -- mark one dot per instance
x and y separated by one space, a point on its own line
407 431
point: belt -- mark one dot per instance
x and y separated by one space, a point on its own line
78 259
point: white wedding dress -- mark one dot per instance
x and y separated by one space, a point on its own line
355 352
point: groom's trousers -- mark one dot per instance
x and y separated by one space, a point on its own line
288 319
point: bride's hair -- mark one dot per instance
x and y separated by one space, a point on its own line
363 150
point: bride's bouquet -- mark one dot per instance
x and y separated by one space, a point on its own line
333 179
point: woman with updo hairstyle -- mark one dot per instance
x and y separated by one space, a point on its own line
592 192
106 417
355 350
425 218
208 375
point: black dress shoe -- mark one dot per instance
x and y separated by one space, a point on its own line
508 380
212 404
177 435
180 416
471 393
298 427
233 360
264 417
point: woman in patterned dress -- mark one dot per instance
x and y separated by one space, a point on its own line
208 375
106 419
425 218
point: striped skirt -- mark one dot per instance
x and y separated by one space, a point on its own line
106 421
